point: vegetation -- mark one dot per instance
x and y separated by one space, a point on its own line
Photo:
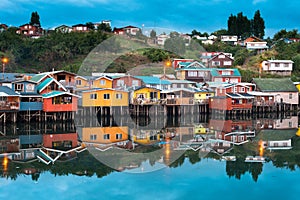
243 27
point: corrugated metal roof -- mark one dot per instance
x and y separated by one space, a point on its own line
153 80
6 91
57 93
275 85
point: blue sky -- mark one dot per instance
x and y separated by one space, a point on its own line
182 16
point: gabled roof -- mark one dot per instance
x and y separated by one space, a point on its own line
275 85
39 77
194 64
47 82
213 57
102 89
101 77
6 91
215 72
153 80
22 81
58 93
139 88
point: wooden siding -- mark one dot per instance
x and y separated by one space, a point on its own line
104 135
48 106
88 101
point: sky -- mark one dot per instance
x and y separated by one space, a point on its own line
181 16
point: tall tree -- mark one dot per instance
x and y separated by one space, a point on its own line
239 25
35 19
258 25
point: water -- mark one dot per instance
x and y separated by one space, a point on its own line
158 170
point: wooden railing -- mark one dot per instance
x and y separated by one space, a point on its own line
6 105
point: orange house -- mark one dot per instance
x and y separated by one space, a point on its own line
104 135
58 101
102 82
60 141
104 97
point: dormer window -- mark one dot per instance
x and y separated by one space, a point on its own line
19 87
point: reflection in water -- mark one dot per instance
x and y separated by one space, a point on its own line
135 145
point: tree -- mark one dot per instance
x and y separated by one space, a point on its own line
153 34
104 27
239 25
90 26
35 19
258 25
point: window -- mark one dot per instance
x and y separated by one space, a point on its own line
216 63
106 136
120 82
290 96
276 64
225 72
93 137
221 56
78 82
135 83
119 136
102 82
106 96
192 74
93 96
227 63
290 124
118 96
242 89
19 87
286 64
3 98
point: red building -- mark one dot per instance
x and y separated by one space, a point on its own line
220 60
30 30
126 81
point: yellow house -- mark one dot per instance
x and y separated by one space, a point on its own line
102 82
146 137
81 82
146 94
104 97
104 135
202 96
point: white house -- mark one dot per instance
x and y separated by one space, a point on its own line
162 38
280 67
229 38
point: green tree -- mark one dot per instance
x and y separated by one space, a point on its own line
35 19
104 27
258 25
153 34
90 26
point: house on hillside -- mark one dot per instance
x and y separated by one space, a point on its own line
231 39
160 39
220 60
63 29
30 30
283 89
280 67
80 28
255 43
129 30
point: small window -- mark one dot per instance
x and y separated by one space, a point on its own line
290 96
118 96
102 82
135 83
93 96
78 82
19 87
242 89
120 83
106 96
93 137
119 136
290 124
106 136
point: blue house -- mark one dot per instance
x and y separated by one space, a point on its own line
30 99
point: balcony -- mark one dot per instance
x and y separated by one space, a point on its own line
7 106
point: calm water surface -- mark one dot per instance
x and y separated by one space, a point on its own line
197 173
